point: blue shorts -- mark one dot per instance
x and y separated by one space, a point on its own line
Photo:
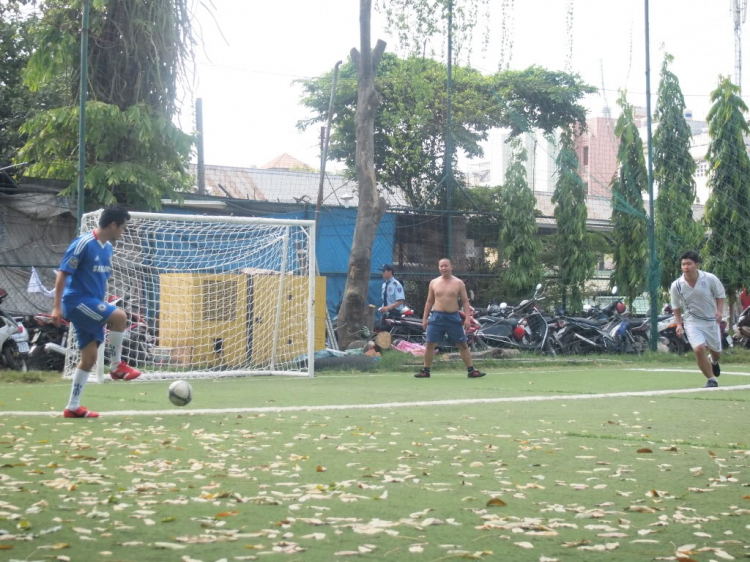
88 316
442 324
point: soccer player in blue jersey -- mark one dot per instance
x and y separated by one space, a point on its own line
80 287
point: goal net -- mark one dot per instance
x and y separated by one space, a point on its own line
212 296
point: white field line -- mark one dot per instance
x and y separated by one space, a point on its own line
389 405
266 378
696 371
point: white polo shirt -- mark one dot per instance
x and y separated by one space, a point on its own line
697 304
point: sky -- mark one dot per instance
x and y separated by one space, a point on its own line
253 50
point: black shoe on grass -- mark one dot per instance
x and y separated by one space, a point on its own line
423 374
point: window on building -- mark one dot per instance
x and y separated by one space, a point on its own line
585 155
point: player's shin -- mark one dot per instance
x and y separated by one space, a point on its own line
79 382
115 343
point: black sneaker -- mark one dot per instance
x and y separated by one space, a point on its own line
475 374
711 383
716 369
423 374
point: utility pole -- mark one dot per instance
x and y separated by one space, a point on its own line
83 94
739 13
653 268
449 140
201 156
325 139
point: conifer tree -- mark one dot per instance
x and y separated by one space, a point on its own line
575 258
674 167
728 207
519 246
628 212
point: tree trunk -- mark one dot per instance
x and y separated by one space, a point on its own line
352 316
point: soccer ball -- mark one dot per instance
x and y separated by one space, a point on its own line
180 393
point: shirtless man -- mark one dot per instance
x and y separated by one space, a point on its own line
441 318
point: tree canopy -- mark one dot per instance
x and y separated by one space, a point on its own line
411 122
674 169
137 56
518 243
728 206
17 101
575 258
628 212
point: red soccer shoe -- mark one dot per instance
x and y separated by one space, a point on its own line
80 412
125 372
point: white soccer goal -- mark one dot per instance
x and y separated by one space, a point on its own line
212 296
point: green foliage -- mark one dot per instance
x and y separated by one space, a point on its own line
135 156
411 121
481 228
674 168
628 213
417 22
17 102
728 207
137 56
518 244
138 50
575 259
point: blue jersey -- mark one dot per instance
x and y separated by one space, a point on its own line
89 264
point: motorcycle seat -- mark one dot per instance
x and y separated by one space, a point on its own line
590 321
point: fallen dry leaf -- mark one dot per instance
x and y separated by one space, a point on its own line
640 509
644 450
496 502
169 545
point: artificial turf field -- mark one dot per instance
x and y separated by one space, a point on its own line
524 464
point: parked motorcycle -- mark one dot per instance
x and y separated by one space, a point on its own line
742 329
600 331
137 344
48 343
671 342
10 353
523 327
626 331
406 326
139 339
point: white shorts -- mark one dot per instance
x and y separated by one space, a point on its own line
704 334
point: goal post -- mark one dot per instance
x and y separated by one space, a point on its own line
213 296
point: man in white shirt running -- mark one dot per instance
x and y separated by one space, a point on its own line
698 298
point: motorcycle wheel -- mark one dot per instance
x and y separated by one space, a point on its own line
476 343
676 345
640 343
549 348
401 333
13 358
